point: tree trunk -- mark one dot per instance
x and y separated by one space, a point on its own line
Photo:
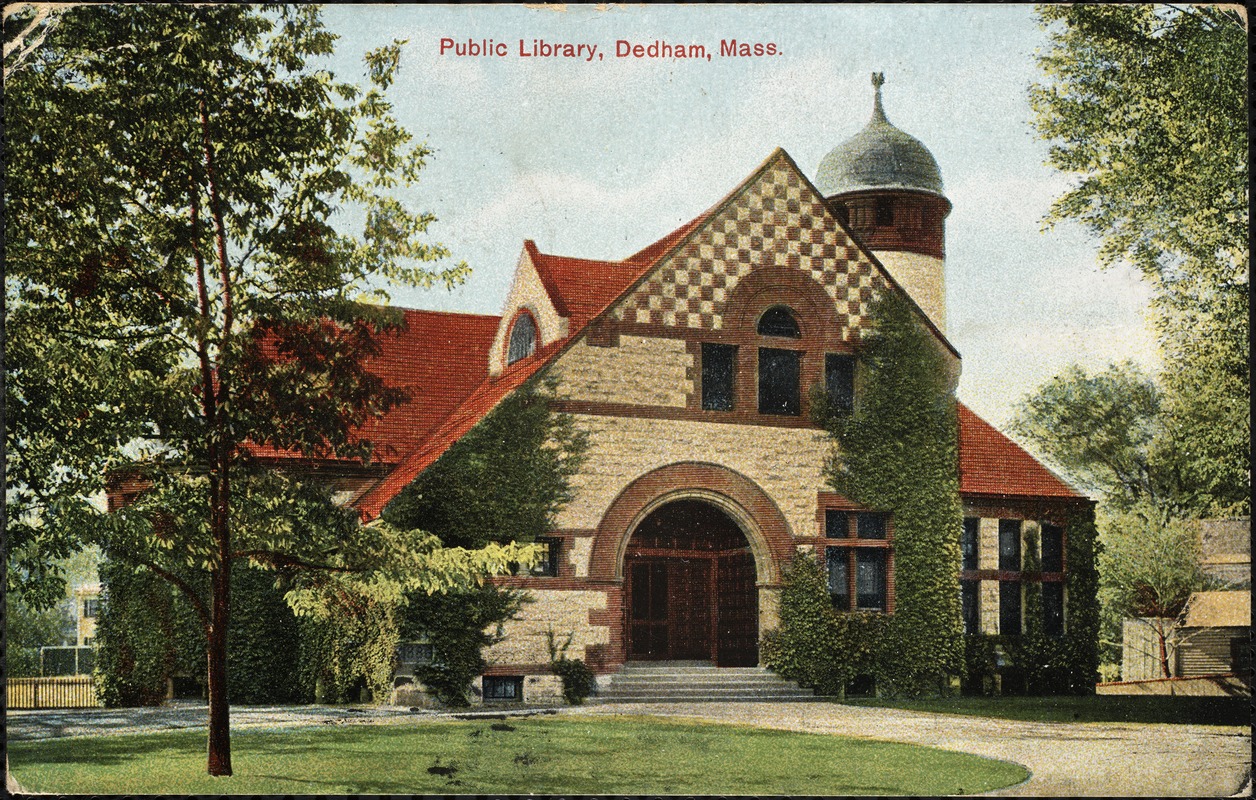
219 710
1164 654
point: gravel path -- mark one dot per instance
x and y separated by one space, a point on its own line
1064 759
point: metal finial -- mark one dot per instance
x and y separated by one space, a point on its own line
878 113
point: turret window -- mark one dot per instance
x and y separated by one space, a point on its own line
522 339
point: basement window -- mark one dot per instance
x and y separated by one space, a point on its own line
503 688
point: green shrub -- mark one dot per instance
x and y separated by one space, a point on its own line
459 625
815 645
135 651
577 679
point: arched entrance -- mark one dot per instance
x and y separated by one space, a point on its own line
690 587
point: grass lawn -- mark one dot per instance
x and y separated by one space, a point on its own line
1094 708
550 756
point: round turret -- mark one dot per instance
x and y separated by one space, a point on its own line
879 157
886 186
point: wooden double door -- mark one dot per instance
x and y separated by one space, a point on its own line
690 586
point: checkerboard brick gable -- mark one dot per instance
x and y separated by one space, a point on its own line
775 219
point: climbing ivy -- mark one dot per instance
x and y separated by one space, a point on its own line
815 645
147 633
898 451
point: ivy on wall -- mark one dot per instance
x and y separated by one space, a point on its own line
504 481
898 451
147 633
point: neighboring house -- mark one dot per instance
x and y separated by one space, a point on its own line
689 365
86 610
1226 546
1214 634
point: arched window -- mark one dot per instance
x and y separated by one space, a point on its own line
522 339
779 321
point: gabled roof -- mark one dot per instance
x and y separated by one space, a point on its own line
439 359
1219 610
584 289
992 464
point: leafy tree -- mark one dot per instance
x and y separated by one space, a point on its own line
506 479
1146 105
1107 432
1149 567
179 299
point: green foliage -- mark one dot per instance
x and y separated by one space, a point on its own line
26 629
504 481
576 676
350 648
898 452
1105 431
459 625
1146 106
147 633
135 631
817 646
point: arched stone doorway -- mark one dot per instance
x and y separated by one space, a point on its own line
690 587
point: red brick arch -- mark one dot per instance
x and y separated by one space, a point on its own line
748 505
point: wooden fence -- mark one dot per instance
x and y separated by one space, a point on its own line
72 692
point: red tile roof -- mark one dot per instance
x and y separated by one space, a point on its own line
439 358
445 359
477 406
992 464
580 289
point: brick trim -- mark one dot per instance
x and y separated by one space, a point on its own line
761 521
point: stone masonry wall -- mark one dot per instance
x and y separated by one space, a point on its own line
639 371
785 462
560 611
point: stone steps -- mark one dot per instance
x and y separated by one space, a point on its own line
695 681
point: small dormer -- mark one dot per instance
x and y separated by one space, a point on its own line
531 318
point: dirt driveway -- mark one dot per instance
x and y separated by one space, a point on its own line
1064 759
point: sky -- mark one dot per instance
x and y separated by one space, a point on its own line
596 158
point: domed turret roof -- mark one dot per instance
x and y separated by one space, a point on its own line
879 157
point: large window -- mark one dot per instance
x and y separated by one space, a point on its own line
859 570
719 365
778 381
548 565
91 606
1010 544
839 382
522 339
968 543
1052 548
1053 608
1010 608
968 602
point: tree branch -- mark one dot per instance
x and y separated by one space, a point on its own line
197 602
285 560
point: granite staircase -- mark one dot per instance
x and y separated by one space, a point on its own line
696 682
